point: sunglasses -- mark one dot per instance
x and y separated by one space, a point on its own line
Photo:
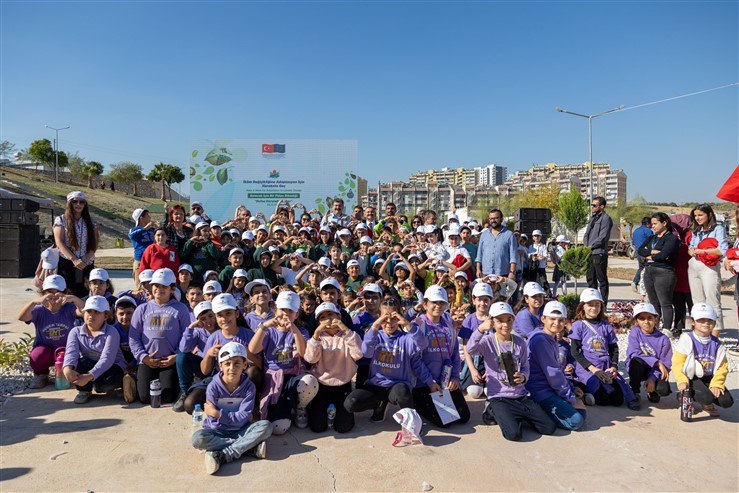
75 201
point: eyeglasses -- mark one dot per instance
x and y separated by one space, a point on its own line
75 201
595 204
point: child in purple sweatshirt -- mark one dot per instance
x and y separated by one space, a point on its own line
507 369
154 337
226 433
548 383
648 354
395 364
438 341
93 356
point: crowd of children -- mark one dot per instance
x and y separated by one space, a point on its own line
266 324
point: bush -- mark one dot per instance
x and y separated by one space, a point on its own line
12 353
570 301
576 262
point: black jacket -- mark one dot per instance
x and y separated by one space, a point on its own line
667 245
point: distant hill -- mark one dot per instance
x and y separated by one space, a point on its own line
111 210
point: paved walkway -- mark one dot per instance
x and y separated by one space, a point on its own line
49 444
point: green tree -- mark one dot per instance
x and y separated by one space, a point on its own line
90 170
573 211
41 151
7 149
544 197
632 212
126 172
76 164
167 174
63 160
576 262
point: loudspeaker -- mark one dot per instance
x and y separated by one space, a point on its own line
20 250
533 214
527 227
21 205
18 217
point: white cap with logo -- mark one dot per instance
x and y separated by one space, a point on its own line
436 293
500 308
288 300
555 309
97 303
590 294
222 302
230 350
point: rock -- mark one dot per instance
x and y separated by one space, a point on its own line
426 487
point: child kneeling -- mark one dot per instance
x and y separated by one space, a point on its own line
226 433
699 362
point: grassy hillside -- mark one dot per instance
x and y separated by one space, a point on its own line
112 210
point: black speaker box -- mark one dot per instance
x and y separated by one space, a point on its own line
533 214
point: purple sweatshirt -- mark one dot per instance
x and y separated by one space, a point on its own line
395 359
470 324
652 348
547 377
253 320
217 337
497 381
157 329
105 348
278 348
230 420
595 341
194 337
439 345
52 329
526 322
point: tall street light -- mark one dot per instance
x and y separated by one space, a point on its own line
590 140
56 151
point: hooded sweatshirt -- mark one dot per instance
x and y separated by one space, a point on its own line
396 358
546 375
157 329
259 272
230 420
440 348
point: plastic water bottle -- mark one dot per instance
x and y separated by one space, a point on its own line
197 417
60 382
155 391
331 414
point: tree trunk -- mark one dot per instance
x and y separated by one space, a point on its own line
135 189
164 192
89 181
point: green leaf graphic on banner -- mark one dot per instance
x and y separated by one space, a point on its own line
195 153
350 194
199 177
353 176
341 188
197 186
192 171
222 176
212 177
209 170
219 156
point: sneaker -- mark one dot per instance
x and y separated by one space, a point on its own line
653 397
39 382
260 451
179 405
488 418
129 389
634 405
379 413
634 288
711 410
82 397
589 399
213 461
301 418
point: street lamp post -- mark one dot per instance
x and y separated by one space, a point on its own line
590 139
56 151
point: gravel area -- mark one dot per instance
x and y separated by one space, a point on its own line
14 380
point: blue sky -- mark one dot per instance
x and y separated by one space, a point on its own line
419 85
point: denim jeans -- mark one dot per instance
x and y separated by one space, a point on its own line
188 367
232 443
563 413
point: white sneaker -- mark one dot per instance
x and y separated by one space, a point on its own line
260 451
213 461
589 399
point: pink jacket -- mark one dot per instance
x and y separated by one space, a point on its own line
333 357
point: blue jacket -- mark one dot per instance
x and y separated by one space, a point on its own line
140 238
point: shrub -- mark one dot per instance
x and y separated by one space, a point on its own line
12 353
576 262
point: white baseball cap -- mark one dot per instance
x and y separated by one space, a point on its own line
703 310
50 258
194 203
235 250
224 301
164 277
441 267
462 274
97 303
370 287
329 282
279 228
186 267
429 228
414 255
215 224
207 273
532 289
536 232
230 350
125 299
137 215
401 265
54 281
99 275
201 224
326 307
500 308
453 217
288 300
453 230
324 262
146 275
254 219
274 249
555 309
201 307
247 235
345 232
378 261
645 308
476 232
590 294
436 293
562 239
255 283
360 227
352 263
482 289
211 287
239 273
234 231
262 227
76 195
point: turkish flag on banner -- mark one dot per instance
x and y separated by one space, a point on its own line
730 190
268 148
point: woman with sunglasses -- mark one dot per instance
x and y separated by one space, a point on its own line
77 239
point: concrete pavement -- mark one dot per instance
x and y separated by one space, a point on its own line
50 444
